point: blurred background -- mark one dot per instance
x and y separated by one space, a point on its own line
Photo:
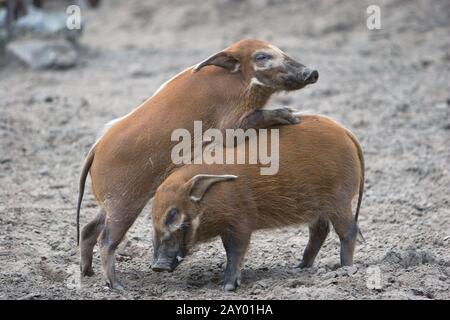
390 86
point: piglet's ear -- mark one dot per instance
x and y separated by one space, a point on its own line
221 59
200 183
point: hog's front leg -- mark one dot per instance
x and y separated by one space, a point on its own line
257 119
264 118
236 244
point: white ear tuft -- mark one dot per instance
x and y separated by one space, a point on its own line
256 82
195 199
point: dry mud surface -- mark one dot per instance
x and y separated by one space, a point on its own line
390 87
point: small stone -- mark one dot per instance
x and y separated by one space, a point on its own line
331 275
329 281
409 258
403 107
392 257
295 283
30 296
341 272
391 279
426 63
44 54
320 271
352 270
418 291
262 284
137 71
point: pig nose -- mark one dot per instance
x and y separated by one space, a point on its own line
310 76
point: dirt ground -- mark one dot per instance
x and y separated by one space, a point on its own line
391 87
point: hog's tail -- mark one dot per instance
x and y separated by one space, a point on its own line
84 173
362 176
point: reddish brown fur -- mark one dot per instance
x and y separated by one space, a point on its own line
319 164
321 170
133 157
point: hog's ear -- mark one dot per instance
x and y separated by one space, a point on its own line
199 184
221 59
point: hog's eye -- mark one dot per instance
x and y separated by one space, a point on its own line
171 216
262 56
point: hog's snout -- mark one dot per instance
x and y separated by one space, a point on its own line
310 76
299 77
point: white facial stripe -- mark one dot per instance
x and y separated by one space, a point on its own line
256 82
267 66
195 224
276 61
175 226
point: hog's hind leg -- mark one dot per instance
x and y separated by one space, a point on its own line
347 230
89 236
318 232
116 226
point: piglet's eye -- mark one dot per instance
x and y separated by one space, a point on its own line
262 56
171 216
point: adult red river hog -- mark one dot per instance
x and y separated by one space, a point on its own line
321 170
131 159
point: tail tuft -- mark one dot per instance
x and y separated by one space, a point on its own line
360 236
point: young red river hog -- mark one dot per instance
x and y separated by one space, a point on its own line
131 159
321 170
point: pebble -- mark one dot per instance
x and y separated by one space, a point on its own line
352 270
44 54
320 271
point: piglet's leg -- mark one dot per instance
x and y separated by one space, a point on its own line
264 118
318 232
236 244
